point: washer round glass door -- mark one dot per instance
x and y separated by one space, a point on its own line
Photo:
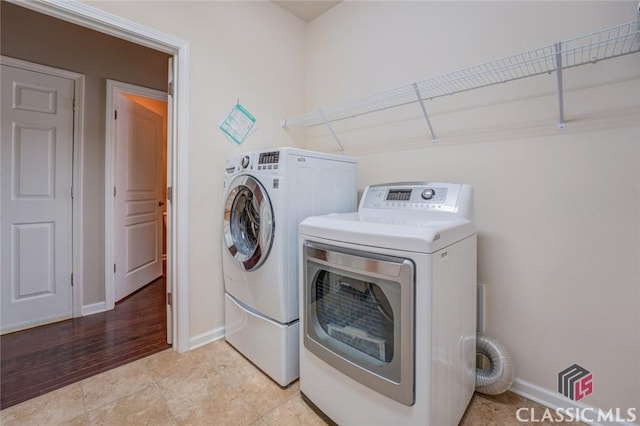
248 223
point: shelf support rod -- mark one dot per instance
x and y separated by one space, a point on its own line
561 124
326 123
424 111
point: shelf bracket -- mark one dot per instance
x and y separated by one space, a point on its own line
326 123
424 111
561 124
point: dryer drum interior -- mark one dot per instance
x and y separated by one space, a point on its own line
356 313
245 221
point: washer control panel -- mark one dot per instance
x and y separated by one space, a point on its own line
266 160
418 196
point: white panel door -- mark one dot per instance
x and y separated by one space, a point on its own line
36 158
138 192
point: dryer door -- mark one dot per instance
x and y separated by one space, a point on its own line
358 311
248 223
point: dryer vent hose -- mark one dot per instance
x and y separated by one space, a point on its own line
499 376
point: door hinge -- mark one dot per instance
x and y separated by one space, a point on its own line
72 194
170 299
115 114
114 191
72 279
170 193
170 89
114 268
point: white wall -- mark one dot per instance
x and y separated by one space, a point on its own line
557 212
248 51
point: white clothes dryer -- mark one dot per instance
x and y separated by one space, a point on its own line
388 307
266 195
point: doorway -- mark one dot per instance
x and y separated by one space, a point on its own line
136 169
177 207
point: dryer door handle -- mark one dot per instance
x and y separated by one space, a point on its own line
366 262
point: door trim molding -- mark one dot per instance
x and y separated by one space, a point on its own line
77 166
115 88
98 20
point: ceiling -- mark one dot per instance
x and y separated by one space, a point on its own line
307 10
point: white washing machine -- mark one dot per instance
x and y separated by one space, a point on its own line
266 195
388 307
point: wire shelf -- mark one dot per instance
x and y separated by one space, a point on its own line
605 44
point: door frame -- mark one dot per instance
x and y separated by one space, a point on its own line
76 176
115 88
98 20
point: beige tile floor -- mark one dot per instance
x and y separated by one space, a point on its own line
212 385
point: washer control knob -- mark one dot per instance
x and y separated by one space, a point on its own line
245 162
428 193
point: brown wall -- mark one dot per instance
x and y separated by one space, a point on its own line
34 37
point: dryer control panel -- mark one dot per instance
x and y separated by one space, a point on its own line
419 196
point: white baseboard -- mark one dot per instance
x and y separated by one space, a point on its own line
30 324
204 338
555 400
94 308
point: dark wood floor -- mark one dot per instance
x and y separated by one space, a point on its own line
45 358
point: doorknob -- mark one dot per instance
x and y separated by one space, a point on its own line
160 203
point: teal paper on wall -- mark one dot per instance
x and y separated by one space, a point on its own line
238 124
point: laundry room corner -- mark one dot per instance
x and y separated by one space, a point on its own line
556 210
